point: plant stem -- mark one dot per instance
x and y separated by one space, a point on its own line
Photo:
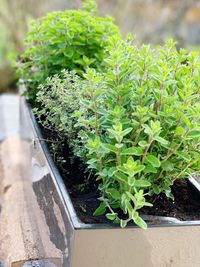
179 175
146 150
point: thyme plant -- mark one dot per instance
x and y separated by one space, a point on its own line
59 99
71 39
136 125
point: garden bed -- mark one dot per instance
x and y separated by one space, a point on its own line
165 241
127 116
84 193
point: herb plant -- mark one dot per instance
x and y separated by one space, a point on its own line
72 40
59 99
136 125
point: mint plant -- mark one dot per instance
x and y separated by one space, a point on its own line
135 125
72 40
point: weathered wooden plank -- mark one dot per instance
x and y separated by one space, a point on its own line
25 231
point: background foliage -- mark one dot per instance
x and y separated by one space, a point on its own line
151 21
71 39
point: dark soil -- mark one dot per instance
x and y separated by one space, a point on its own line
83 190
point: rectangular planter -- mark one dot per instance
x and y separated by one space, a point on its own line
166 242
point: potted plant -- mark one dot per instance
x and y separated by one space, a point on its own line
131 127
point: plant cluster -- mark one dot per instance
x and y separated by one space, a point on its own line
133 114
72 40
138 123
59 99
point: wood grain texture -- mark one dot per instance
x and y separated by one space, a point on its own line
24 233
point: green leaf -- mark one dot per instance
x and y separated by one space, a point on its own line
111 148
147 204
140 222
131 181
150 169
91 161
114 193
131 197
123 223
143 144
169 194
187 121
103 173
126 131
193 134
148 130
138 168
121 177
167 166
119 146
179 130
183 155
111 216
156 189
100 210
161 140
142 183
154 161
137 151
112 171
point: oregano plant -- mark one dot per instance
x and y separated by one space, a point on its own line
141 125
71 39
135 124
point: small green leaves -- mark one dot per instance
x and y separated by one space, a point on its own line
153 129
154 161
134 121
71 39
131 167
118 133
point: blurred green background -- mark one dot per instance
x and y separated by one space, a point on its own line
151 21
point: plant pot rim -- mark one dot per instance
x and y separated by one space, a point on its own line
152 221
